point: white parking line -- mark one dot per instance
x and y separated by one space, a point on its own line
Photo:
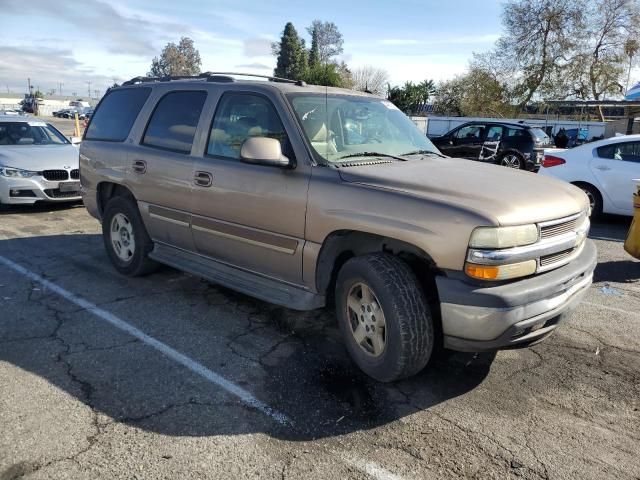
365 466
370 468
163 348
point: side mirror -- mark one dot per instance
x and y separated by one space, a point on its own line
75 140
264 151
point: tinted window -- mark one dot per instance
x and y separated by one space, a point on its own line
118 110
174 121
494 134
240 116
470 132
515 132
629 152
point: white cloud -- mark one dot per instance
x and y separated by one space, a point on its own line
255 47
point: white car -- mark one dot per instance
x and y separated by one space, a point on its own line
37 163
606 170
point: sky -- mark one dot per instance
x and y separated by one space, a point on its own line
73 42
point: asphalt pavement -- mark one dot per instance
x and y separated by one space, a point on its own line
169 376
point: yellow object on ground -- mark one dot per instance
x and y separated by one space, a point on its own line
77 126
632 243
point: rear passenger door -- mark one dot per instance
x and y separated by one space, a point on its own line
616 166
161 168
250 216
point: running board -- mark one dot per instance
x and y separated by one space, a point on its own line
251 284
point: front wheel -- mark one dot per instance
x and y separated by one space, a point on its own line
126 239
384 316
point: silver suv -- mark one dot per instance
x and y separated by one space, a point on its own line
305 196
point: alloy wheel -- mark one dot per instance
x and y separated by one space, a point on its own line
366 319
122 238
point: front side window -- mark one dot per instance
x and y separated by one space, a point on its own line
240 116
174 121
30 133
629 152
494 134
470 132
341 127
118 110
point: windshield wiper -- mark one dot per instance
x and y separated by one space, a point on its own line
424 152
373 154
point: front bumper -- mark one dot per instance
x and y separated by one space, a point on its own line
34 189
516 314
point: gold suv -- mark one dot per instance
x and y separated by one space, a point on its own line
305 196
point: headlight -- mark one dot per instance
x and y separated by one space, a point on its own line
504 237
16 172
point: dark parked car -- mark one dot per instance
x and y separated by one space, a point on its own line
513 145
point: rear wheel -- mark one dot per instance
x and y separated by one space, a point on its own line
384 317
126 239
512 160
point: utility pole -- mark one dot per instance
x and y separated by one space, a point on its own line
89 88
29 83
60 88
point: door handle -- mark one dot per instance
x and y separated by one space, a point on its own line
203 179
603 168
140 166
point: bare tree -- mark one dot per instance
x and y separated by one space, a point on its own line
610 30
539 36
326 41
369 78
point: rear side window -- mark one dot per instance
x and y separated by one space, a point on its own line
174 122
113 120
629 152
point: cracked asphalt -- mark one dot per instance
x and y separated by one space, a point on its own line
80 398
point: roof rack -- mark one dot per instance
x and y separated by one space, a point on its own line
212 77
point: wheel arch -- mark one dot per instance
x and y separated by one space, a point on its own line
107 190
339 246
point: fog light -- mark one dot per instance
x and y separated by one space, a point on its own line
501 272
14 193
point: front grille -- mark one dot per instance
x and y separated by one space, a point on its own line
55 175
56 193
555 257
75 174
559 229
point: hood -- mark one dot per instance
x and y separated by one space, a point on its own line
509 196
39 157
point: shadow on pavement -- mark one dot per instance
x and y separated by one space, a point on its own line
310 379
617 271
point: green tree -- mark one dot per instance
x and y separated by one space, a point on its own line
327 75
474 94
328 41
176 60
410 96
292 56
38 94
314 53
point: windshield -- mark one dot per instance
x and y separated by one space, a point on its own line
341 127
30 133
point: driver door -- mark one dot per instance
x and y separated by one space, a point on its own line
247 215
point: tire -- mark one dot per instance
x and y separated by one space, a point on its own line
407 336
131 258
512 160
595 198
